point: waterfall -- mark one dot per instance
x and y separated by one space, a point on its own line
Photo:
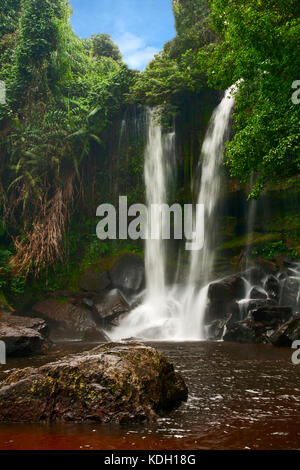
202 262
177 312
194 302
155 181
252 210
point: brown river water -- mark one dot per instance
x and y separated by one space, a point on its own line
240 397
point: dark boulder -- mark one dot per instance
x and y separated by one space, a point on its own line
282 276
242 332
253 304
94 281
222 298
287 333
227 289
37 324
259 326
291 264
271 313
110 306
293 272
257 293
219 310
290 293
68 320
23 336
111 383
272 287
128 274
216 329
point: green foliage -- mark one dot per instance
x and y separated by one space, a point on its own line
176 70
258 44
192 26
103 46
254 43
9 10
271 250
62 101
12 285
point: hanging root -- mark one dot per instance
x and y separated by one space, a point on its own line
43 245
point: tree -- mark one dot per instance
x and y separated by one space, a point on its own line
103 46
176 69
61 105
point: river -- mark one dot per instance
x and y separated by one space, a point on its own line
240 397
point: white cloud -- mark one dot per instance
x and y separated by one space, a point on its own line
135 51
139 59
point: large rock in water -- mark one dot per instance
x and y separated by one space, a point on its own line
115 382
223 296
21 335
242 332
68 320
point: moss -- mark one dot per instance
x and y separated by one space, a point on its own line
244 241
3 300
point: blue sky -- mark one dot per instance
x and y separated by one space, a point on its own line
139 27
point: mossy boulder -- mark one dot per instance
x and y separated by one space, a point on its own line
115 382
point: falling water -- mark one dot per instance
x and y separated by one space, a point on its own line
202 262
252 210
155 181
177 312
194 301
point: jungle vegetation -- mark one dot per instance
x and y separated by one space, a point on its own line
65 98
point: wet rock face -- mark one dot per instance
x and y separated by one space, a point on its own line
287 333
128 274
68 320
289 294
266 324
94 281
110 306
223 296
115 382
23 336
271 313
219 310
272 287
242 332
257 293
228 289
271 300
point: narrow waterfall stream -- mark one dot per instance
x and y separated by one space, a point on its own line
202 262
177 312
